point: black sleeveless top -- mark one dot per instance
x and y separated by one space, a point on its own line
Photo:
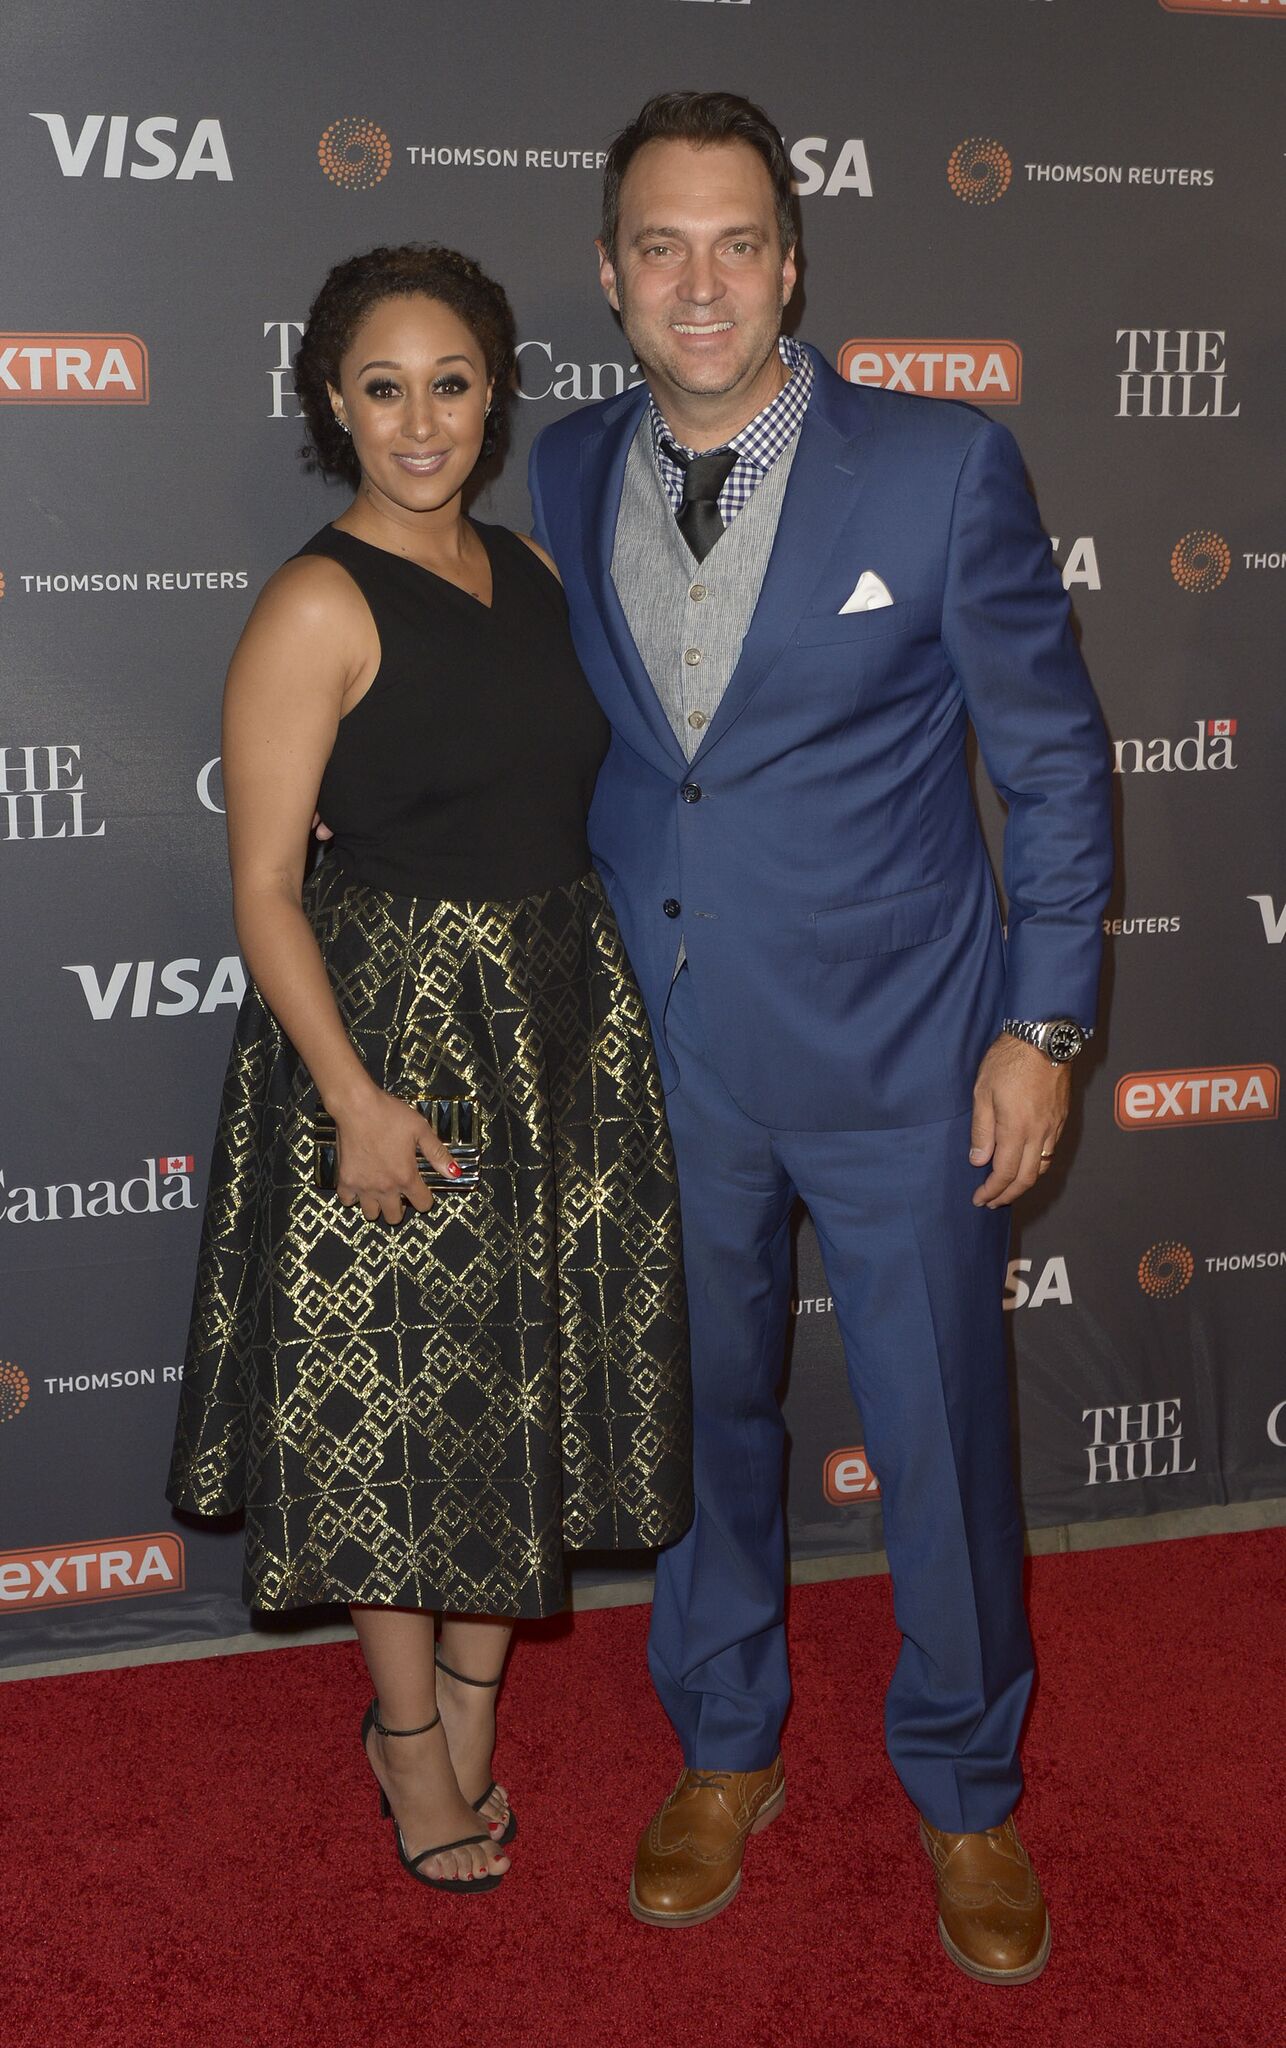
466 770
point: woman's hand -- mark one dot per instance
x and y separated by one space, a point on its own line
378 1142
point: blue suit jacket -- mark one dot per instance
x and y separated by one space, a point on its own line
836 899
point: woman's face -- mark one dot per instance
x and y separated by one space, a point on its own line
413 392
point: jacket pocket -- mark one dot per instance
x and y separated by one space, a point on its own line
856 629
887 924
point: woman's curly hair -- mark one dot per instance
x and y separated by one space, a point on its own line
350 291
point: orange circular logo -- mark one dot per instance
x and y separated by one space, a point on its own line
979 170
15 1391
1165 1269
354 153
1200 562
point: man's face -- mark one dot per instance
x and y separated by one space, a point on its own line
698 277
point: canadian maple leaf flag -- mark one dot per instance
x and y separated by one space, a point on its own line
1221 728
177 1162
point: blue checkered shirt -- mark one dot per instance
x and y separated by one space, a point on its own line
758 445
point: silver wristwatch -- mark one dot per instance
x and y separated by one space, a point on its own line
1059 1038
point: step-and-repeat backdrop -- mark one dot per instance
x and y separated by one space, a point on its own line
1068 212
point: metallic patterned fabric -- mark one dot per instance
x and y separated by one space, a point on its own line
431 1414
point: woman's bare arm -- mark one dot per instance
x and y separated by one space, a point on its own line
301 655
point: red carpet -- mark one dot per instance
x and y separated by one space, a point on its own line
191 1854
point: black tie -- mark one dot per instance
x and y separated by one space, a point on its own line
704 476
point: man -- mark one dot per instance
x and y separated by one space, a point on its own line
792 596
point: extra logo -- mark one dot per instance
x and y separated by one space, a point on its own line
1173 1100
354 153
979 170
1165 1269
73 369
1200 562
169 988
74 1573
1174 373
989 371
847 1476
145 149
1138 1440
1231 10
15 1391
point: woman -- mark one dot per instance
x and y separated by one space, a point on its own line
439 1331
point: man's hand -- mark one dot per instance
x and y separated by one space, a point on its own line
1020 1102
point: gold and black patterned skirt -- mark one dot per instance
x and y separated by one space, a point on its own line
431 1414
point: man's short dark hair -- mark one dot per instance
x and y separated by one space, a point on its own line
700 118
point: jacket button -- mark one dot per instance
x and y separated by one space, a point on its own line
691 792
670 907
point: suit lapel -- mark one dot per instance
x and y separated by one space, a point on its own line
828 476
602 480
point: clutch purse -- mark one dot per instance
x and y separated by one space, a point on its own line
456 1121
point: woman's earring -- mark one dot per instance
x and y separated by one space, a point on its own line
342 424
486 409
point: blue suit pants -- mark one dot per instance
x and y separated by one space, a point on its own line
916 1273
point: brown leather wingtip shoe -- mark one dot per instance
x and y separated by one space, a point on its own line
991 1911
688 1866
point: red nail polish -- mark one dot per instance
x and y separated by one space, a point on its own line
453 1168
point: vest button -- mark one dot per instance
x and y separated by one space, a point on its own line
697 592
670 907
696 719
691 792
693 657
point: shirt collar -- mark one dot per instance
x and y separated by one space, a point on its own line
762 439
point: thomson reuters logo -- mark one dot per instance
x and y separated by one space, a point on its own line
847 1476
355 153
70 1575
979 170
991 371
73 369
1200 562
15 1391
1165 1269
1196 1095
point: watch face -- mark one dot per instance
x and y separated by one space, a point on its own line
1064 1042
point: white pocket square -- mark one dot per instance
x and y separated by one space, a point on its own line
869 593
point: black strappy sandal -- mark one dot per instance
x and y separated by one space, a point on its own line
487 1882
501 1841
